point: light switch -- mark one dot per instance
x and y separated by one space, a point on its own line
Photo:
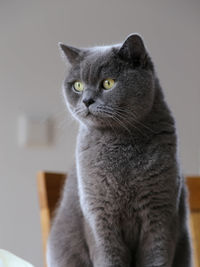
34 130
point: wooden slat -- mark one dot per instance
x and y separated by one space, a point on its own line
49 190
193 183
44 210
54 184
195 231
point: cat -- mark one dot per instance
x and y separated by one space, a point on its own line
124 203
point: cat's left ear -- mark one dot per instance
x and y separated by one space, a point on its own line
69 53
133 49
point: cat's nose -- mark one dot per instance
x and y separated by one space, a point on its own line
88 101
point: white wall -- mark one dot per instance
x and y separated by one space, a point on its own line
30 79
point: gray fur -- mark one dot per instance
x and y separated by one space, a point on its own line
124 204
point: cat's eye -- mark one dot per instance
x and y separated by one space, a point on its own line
78 86
108 83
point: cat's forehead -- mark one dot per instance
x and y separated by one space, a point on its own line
99 61
97 55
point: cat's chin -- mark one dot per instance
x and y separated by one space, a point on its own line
93 120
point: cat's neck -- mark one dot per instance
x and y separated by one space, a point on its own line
111 136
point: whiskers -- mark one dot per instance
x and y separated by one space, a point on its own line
131 117
111 117
126 119
65 119
78 110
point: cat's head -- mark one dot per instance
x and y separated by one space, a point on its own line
109 86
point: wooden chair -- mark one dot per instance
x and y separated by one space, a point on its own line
50 186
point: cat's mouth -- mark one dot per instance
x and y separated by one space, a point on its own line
97 112
91 113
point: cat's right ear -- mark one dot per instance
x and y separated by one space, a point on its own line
133 49
70 54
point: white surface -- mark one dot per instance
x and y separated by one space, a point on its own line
31 72
8 259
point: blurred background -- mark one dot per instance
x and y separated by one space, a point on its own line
32 109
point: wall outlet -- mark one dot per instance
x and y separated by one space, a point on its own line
34 130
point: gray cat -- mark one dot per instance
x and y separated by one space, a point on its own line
124 203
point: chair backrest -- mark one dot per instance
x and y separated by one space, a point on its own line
49 189
50 186
193 183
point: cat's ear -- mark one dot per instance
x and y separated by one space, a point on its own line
69 53
133 49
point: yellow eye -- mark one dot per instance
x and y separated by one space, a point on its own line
78 86
108 83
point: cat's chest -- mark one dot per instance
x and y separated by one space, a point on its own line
107 168
106 156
